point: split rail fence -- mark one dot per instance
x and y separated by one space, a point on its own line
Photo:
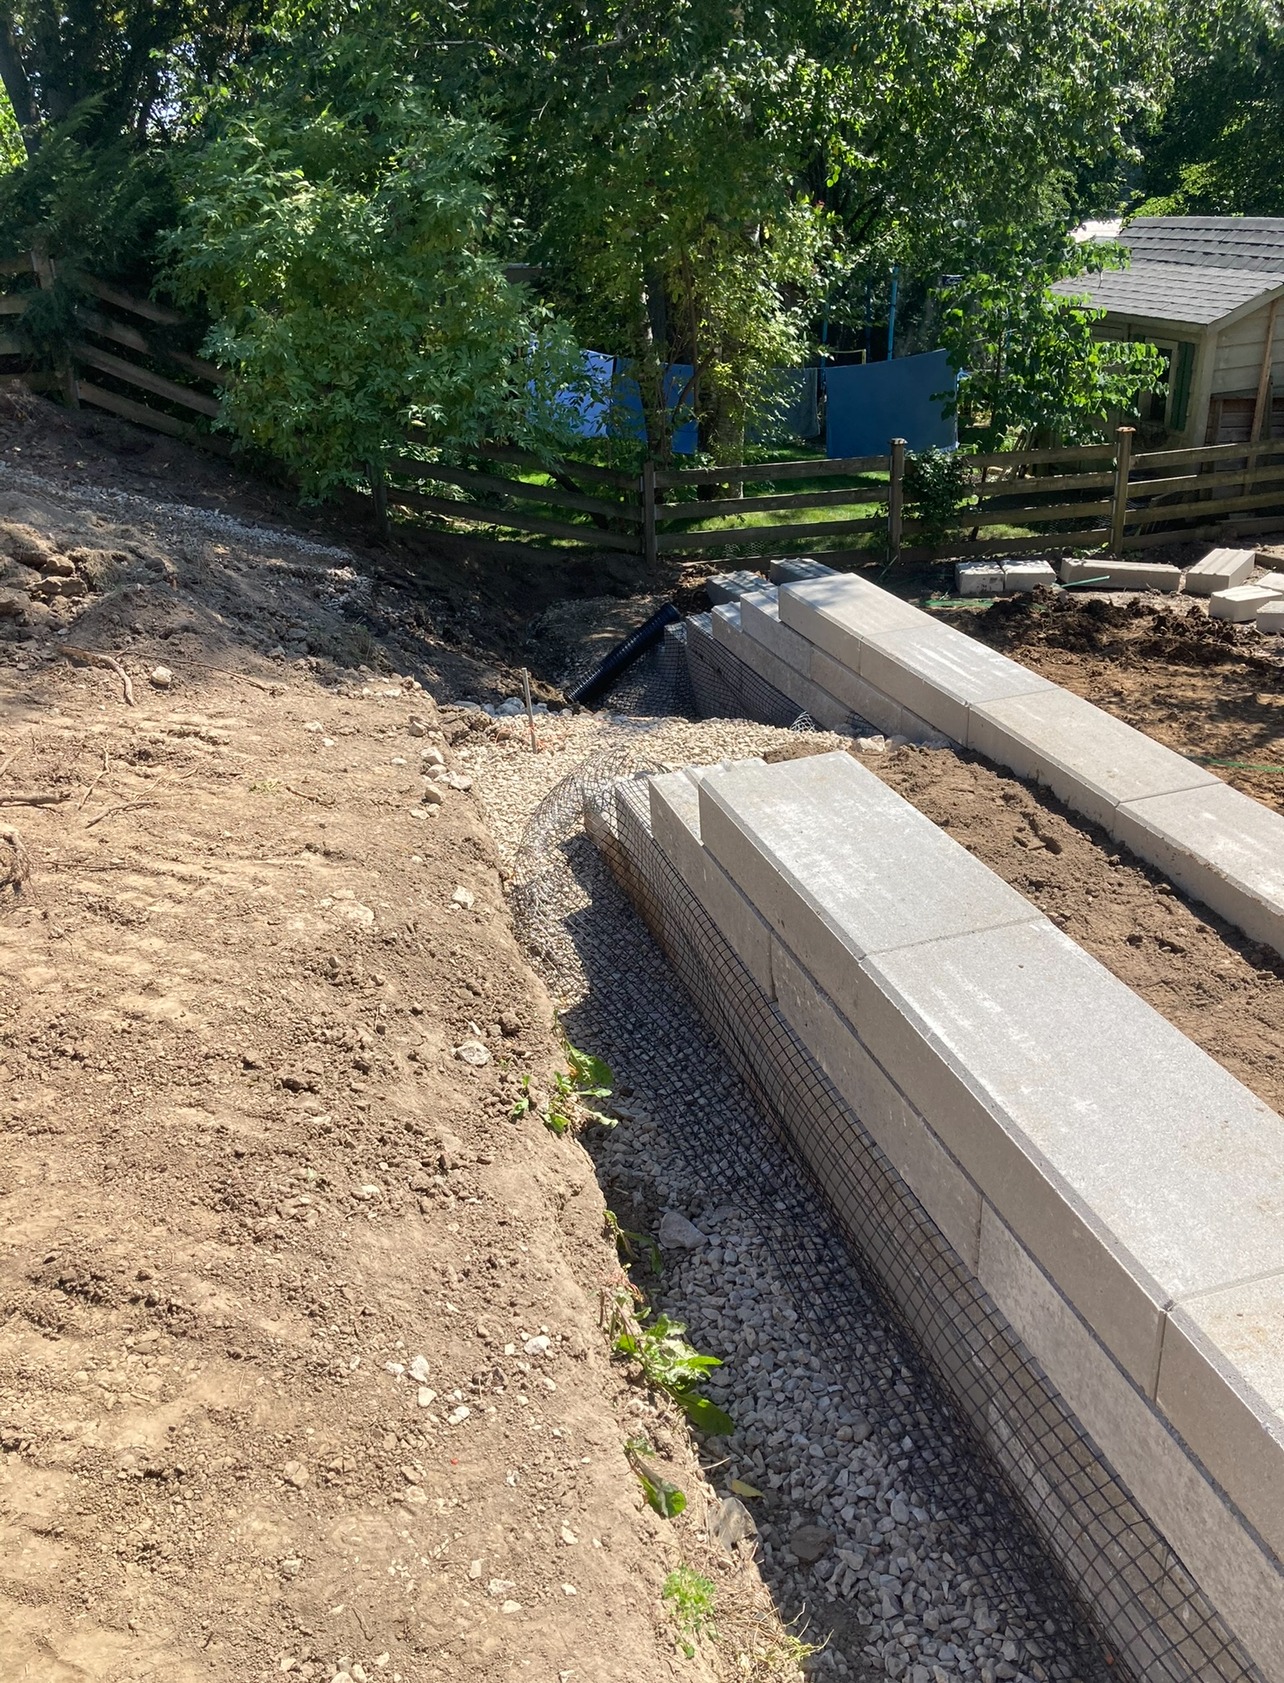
132 358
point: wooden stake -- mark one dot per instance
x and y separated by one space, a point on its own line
649 546
1119 503
530 711
895 500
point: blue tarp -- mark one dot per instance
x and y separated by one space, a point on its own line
792 408
587 409
867 404
615 406
627 419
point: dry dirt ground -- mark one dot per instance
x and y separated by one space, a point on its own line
301 1369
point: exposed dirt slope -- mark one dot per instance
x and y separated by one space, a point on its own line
300 1357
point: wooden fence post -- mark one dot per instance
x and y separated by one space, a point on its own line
1119 502
895 500
649 547
379 497
45 278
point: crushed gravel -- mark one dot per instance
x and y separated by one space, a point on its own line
878 1531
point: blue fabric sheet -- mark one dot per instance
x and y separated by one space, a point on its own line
613 406
868 404
793 410
627 420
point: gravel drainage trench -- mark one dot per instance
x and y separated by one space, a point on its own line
880 1529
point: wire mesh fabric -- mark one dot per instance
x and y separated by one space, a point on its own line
1047 1521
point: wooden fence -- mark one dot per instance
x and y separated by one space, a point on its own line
133 359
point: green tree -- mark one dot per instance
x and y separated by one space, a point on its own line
695 176
1219 147
1034 373
349 262
135 63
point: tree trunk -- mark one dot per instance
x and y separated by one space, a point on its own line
13 74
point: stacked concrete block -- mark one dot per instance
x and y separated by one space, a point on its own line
1020 577
1270 618
834 697
1115 1190
1220 569
978 578
1109 574
827 712
929 668
1241 603
845 649
1222 847
793 569
1001 578
730 587
1088 758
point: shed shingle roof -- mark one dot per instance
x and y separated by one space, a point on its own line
1177 292
1217 242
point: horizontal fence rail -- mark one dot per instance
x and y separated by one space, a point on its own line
135 359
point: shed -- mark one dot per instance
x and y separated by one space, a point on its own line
1206 290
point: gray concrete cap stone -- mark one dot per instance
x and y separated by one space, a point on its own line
1135 1167
794 568
939 673
760 620
1240 603
840 865
1221 846
1219 570
1088 758
836 613
730 587
1121 575
1221 1383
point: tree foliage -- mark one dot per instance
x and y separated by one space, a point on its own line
1219 147
1035 375
349 263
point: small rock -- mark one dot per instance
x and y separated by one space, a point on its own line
457 1416
432 757
417 727
732 1521
569 1537
418 1370
427 1397
472 1052
464 897
872 744
432 795
11 608
160 677
536 1346
313 725
810 1542
679 1234
295 1473
509 1025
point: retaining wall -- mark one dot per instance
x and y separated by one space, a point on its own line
856 657
1115 1197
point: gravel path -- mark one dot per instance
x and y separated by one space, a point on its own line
878 1530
